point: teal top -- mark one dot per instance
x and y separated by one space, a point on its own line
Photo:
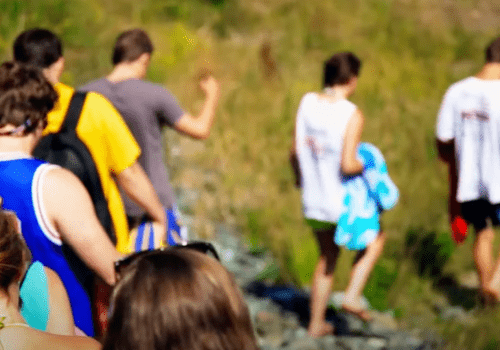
35 297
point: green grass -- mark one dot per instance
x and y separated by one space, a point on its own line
412 50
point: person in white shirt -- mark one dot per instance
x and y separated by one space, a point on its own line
468 135
327 133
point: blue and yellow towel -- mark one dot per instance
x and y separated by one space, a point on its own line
144 236
365 196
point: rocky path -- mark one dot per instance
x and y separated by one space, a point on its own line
280 313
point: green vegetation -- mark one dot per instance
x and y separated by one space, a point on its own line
412 50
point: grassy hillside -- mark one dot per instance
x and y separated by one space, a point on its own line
267 54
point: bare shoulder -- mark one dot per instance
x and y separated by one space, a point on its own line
58 177
15 338
53 280
61 189
18 337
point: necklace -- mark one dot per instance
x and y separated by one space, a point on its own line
3 325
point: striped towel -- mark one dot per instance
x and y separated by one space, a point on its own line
144 236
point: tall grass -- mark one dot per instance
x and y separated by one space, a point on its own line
412 50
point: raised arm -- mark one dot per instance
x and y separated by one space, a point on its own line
199 127
350 164
70 210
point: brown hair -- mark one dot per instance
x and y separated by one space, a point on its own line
37 47
25 95
176 300
14 254
340 68
130 45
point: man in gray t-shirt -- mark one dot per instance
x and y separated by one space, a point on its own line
147 107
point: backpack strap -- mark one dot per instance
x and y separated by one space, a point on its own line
74 111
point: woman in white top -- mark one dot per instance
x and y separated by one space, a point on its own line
14 332
327 133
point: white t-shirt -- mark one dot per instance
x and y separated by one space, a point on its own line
470 115
319 138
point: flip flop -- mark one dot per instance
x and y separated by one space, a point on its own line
361 314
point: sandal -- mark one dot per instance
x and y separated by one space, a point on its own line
361 314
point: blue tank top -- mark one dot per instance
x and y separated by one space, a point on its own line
20 186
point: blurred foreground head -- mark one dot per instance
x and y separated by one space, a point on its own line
178 299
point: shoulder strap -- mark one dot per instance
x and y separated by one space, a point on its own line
74 110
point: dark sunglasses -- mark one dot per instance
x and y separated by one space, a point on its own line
202 247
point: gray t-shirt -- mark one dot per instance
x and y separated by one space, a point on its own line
146 108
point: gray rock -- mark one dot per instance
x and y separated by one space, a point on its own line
383 322
404 341
282 330
458 314
351 343
375 344
304 343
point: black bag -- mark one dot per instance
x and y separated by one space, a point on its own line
64 148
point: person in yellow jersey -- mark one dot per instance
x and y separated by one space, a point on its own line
103 131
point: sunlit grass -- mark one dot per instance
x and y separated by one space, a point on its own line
412 50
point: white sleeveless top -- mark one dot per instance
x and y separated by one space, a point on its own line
319 137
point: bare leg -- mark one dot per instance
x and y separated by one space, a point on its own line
322 284
483 257
491 285
363 266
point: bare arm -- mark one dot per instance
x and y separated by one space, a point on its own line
70 210
136 184
294 160
350 164
60 315
199 127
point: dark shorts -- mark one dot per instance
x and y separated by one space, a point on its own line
478 212
317 225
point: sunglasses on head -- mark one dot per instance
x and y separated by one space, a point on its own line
26 127
202 247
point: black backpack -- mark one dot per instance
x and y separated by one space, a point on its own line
64 148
